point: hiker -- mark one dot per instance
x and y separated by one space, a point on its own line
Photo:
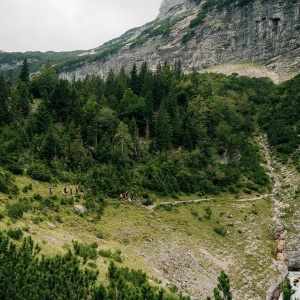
65 190
106 196
76 189
50 190
121 197
71 188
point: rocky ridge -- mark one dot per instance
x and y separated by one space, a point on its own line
265 32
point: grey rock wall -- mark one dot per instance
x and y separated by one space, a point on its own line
265 32
167 4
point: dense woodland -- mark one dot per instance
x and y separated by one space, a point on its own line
157 131
152 132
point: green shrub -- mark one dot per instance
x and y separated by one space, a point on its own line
208 213
15 234
39 171
85 251
188 36
105 253
194 213
16 210
37 220
147 202
7 184
38 197
117 257
25 189
220 230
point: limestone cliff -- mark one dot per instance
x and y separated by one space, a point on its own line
262 33
265 32
168 4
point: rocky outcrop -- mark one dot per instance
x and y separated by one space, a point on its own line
80 208
166 5
264 32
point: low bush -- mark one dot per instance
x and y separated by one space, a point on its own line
16 210
39 171
15 234
220 230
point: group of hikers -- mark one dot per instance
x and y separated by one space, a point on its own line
74 190
65 191
125 196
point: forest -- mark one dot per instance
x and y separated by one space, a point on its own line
160 131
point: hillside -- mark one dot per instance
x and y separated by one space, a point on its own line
211 161
176 242
261 32
201 34
196 117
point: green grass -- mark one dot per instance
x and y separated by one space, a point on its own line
145 236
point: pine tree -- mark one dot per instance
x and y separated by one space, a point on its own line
224 286
134 131
163 130
123 145
134 79
4 115
287 290
24 74
148 113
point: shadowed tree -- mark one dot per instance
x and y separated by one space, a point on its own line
123 145
24 74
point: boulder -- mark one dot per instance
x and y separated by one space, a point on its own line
80 208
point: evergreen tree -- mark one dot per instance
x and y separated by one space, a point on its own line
287 290
44 82
134 131
148 113
24 74
123 145
4 92
163 130
224 287
134 80
111 90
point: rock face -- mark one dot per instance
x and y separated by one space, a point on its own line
167 4
265 32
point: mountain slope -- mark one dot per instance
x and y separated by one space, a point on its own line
199 34
265 32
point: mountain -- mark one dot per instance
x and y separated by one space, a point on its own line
206 35
201 34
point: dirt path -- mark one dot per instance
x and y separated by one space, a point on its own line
174 203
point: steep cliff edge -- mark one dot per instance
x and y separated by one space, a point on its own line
264 32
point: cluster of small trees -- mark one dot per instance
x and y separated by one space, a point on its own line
26 274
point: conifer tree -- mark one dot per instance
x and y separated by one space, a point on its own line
123 145
24 74
134 79
224 286
4 92
148 113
